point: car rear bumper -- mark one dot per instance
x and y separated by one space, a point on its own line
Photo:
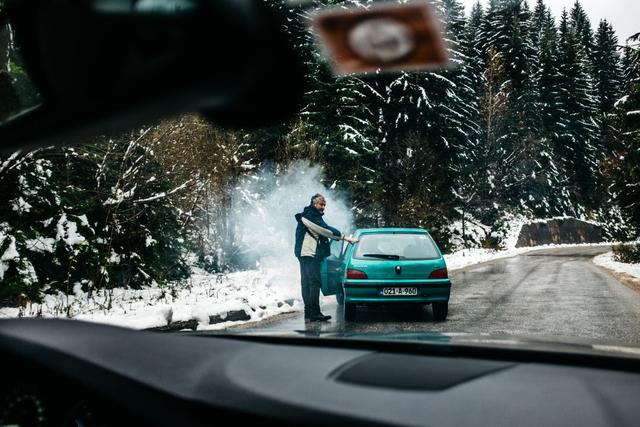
363 292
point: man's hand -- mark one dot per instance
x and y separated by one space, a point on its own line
350 239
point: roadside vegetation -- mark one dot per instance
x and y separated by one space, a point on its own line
627 253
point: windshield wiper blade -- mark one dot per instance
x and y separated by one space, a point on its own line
384 256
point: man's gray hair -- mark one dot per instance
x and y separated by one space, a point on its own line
317 197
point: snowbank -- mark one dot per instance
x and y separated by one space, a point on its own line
509 238
467 257
606 260
207 298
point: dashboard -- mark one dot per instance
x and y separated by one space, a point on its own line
62 372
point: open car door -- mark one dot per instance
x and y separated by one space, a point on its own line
331 269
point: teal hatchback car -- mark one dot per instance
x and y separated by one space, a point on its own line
388 265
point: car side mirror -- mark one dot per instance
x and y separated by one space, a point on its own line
104 66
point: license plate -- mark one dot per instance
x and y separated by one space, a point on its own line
399 291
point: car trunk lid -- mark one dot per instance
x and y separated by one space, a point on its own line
384 269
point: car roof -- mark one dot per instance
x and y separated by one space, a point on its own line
361 231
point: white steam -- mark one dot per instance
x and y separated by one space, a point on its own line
265 204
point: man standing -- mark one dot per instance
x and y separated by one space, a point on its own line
311 248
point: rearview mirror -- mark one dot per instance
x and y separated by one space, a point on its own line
103 66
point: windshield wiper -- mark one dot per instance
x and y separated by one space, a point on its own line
383 256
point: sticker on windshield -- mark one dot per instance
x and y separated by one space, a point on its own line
387 38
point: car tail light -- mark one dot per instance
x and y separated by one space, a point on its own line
439 274
356 274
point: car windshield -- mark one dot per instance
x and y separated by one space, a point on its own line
405 246
517 160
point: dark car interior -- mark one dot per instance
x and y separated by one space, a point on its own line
76 373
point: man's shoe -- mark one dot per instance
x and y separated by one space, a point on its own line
319 318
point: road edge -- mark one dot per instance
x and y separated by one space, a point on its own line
275 318
627 280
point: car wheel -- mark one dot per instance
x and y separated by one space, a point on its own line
440 310
340 295
349 311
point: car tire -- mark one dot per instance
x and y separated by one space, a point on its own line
340 295
349 312
440 311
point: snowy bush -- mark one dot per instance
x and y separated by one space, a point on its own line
627 253
85 216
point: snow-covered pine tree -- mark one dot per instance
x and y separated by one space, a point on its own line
545 77
28 228
404 114
510 51
627 159
583 30
496 158
575 147
608 82
538 22
548 188
470 82
139 234
508 31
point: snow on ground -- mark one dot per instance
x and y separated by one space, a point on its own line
514 223
467 257
259 293
607 261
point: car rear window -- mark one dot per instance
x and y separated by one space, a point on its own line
403 246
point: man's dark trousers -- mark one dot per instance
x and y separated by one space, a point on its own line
310 274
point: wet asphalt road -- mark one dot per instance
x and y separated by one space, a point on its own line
550 293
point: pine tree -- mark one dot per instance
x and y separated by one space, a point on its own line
472 73
575 145
28 226
608 81
538 22
546 188
406 113
508 30
579 21
546 78
627 158
470 154
496 156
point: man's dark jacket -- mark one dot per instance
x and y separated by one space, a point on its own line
309 235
